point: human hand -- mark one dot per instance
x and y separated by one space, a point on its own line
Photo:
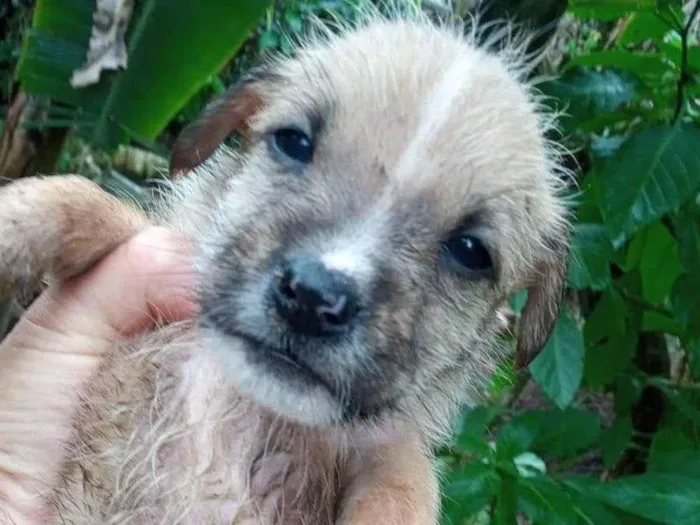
56 346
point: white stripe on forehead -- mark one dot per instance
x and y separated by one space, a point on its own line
436 110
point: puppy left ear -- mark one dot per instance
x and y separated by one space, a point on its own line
545 295
220 118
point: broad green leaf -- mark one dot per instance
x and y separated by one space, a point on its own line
667 498
172 52
563 433
687 226
641 64
608 9
672 453
503 378
659 263
608 318
471 435
681 401
591 255
583 489
592 512
519 434
607 146
605 361
586 93
545 502
616 439
643 26
653 173
627 392
684 461
684 299
653 321
694 58
559 367
687 307
467 490
693 352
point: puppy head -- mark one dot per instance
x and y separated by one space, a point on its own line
395 188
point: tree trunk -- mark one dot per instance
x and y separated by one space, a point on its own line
23 151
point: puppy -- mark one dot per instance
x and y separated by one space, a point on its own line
394 188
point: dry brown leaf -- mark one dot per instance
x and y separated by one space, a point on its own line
107 47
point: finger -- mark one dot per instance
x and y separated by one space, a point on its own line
147 279
56 347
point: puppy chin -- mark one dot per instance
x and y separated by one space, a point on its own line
307 404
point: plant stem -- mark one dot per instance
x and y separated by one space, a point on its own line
684 73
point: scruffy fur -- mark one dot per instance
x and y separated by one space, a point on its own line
419 132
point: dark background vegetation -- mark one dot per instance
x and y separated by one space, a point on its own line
605 427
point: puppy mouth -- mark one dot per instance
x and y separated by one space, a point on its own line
282 363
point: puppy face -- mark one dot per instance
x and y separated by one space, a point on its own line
395 187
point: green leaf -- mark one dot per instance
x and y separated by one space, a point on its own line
172 52
653 321
583 488
607 318
545 502
693 352
653 173
586 93
503 378
559 367
642 27
667 498
605 147
684 299
686 305
687 226
563 433
627 392
659 263
604 362
641 64
672 453
471 436
519 434
591 255
608 9
616 439
468 490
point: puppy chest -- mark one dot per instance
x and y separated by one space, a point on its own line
188 451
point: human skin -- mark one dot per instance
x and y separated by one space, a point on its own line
56 346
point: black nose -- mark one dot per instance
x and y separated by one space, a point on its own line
313 299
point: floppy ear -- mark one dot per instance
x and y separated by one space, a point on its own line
545 293
220 118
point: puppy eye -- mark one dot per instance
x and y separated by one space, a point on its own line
470 255
293 144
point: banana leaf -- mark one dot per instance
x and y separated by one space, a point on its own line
174 48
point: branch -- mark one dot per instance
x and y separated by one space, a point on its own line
685 73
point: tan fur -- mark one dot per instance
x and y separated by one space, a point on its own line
419 128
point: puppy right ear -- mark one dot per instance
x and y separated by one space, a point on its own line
220 118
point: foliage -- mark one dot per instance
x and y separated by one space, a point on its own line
115 109
628 337
630 95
